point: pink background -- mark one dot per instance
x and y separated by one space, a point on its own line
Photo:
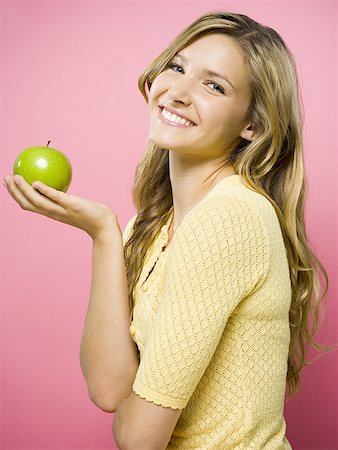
69 75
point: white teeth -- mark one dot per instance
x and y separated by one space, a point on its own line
174 118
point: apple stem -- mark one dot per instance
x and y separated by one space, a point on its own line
48 143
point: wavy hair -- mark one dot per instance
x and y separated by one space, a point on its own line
272 165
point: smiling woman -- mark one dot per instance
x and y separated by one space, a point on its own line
221 278
199 312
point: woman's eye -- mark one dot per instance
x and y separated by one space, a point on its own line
218 87
171 66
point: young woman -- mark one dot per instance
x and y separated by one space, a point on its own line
198 310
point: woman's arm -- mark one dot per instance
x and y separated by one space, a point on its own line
109 356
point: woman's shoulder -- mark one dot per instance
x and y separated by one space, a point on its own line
228 205
221 231
233 218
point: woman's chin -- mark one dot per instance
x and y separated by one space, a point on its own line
158 141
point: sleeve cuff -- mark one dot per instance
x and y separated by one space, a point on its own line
159 399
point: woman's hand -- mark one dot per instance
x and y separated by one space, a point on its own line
92 217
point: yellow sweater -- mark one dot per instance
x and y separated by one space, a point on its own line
211 322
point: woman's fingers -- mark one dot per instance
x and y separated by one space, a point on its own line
30 199
18 196
58 197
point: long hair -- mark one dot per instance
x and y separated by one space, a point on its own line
271 165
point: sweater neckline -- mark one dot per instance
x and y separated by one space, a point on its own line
160 245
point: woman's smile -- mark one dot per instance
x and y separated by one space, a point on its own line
172 119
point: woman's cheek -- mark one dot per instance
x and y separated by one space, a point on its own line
161 82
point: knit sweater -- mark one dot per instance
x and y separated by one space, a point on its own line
211 322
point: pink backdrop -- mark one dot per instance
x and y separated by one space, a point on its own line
69 75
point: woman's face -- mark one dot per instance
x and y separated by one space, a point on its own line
215 105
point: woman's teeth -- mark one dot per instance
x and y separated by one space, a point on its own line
176 119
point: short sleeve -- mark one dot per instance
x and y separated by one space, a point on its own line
128 229
219 255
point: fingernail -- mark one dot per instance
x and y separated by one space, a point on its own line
17 181
5 182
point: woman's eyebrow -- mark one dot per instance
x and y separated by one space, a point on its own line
208 71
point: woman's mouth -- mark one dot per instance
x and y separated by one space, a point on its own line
173 119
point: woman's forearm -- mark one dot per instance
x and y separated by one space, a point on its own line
108 355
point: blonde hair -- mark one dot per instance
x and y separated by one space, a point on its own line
272 165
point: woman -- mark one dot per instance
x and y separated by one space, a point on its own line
196 313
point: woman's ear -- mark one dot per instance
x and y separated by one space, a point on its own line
249 132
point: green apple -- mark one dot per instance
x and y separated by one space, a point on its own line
44 164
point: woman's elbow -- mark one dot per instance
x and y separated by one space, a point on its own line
102 402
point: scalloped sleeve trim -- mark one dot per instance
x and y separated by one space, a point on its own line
159 399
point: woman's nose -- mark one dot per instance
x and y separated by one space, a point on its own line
180 91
